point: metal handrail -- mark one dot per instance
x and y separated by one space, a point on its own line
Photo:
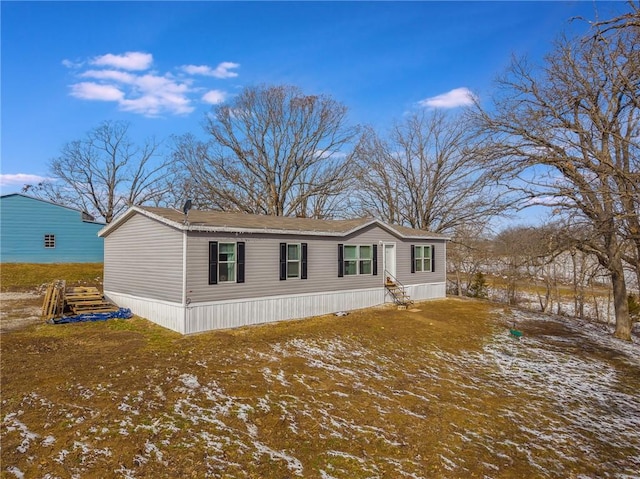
388 275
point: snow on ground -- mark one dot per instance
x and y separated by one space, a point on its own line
596 405
552 401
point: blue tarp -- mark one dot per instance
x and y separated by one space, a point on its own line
122 313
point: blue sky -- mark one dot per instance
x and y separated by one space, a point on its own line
67 66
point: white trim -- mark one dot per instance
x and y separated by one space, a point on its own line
299 261
184 268
234 262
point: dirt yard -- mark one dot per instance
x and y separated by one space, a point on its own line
445 392
19 309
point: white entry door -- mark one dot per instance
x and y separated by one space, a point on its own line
390 259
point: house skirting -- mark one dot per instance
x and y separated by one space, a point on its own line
420 292
206 316
165 313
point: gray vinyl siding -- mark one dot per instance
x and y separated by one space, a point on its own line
143 257
262 265
403 260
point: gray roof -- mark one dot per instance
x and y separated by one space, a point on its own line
219 221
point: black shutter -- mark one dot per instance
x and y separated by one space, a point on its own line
303 265
240 251
413 258
375 259
433 258
283 261
213 262
340 261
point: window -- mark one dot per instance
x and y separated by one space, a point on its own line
421 258
293 261
357 259
226 262
49 241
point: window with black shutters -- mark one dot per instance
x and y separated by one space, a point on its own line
421 258
357 260
293 261
226 262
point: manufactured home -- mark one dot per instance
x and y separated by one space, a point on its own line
212 270
33 230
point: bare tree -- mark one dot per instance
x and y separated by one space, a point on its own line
272 150
105 172
627 70
430 173
569 134
468 253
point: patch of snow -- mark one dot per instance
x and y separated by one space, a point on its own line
125 473
190 381
346 455
61 456
263 404
13 424
293 464
15 471
448 464
151 448
48 441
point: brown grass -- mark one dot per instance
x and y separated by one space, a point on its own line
22 276
378 393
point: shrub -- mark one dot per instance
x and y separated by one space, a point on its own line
478 286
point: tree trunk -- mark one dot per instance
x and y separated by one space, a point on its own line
620 304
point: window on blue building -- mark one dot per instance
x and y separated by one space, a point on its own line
49 241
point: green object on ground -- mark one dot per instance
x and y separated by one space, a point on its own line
515 333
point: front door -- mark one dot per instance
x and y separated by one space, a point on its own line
390 260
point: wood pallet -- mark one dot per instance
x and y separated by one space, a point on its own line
75 300
53 305
82 300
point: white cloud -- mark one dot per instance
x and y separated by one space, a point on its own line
133 61
96 91
452 99
20 179
214 97
71 64
157 95
197 69
128 81
115 75
221 71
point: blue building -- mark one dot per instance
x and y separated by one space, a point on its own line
37 231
